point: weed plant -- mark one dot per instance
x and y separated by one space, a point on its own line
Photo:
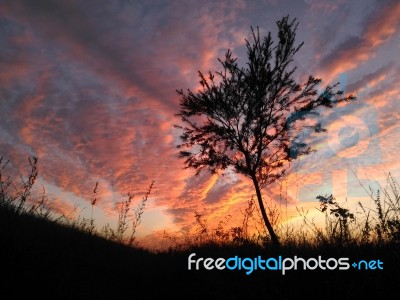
19 202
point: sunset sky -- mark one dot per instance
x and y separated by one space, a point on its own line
89 87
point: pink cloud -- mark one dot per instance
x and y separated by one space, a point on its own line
380 27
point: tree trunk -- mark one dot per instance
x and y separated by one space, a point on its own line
271 231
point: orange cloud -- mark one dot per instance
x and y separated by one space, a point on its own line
379 28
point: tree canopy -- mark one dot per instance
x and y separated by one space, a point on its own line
249 118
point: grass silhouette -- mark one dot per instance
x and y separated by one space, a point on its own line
44 257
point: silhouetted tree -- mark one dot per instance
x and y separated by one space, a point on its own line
249 118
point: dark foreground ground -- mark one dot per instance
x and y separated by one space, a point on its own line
40 259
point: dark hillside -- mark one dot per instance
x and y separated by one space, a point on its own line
41 259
